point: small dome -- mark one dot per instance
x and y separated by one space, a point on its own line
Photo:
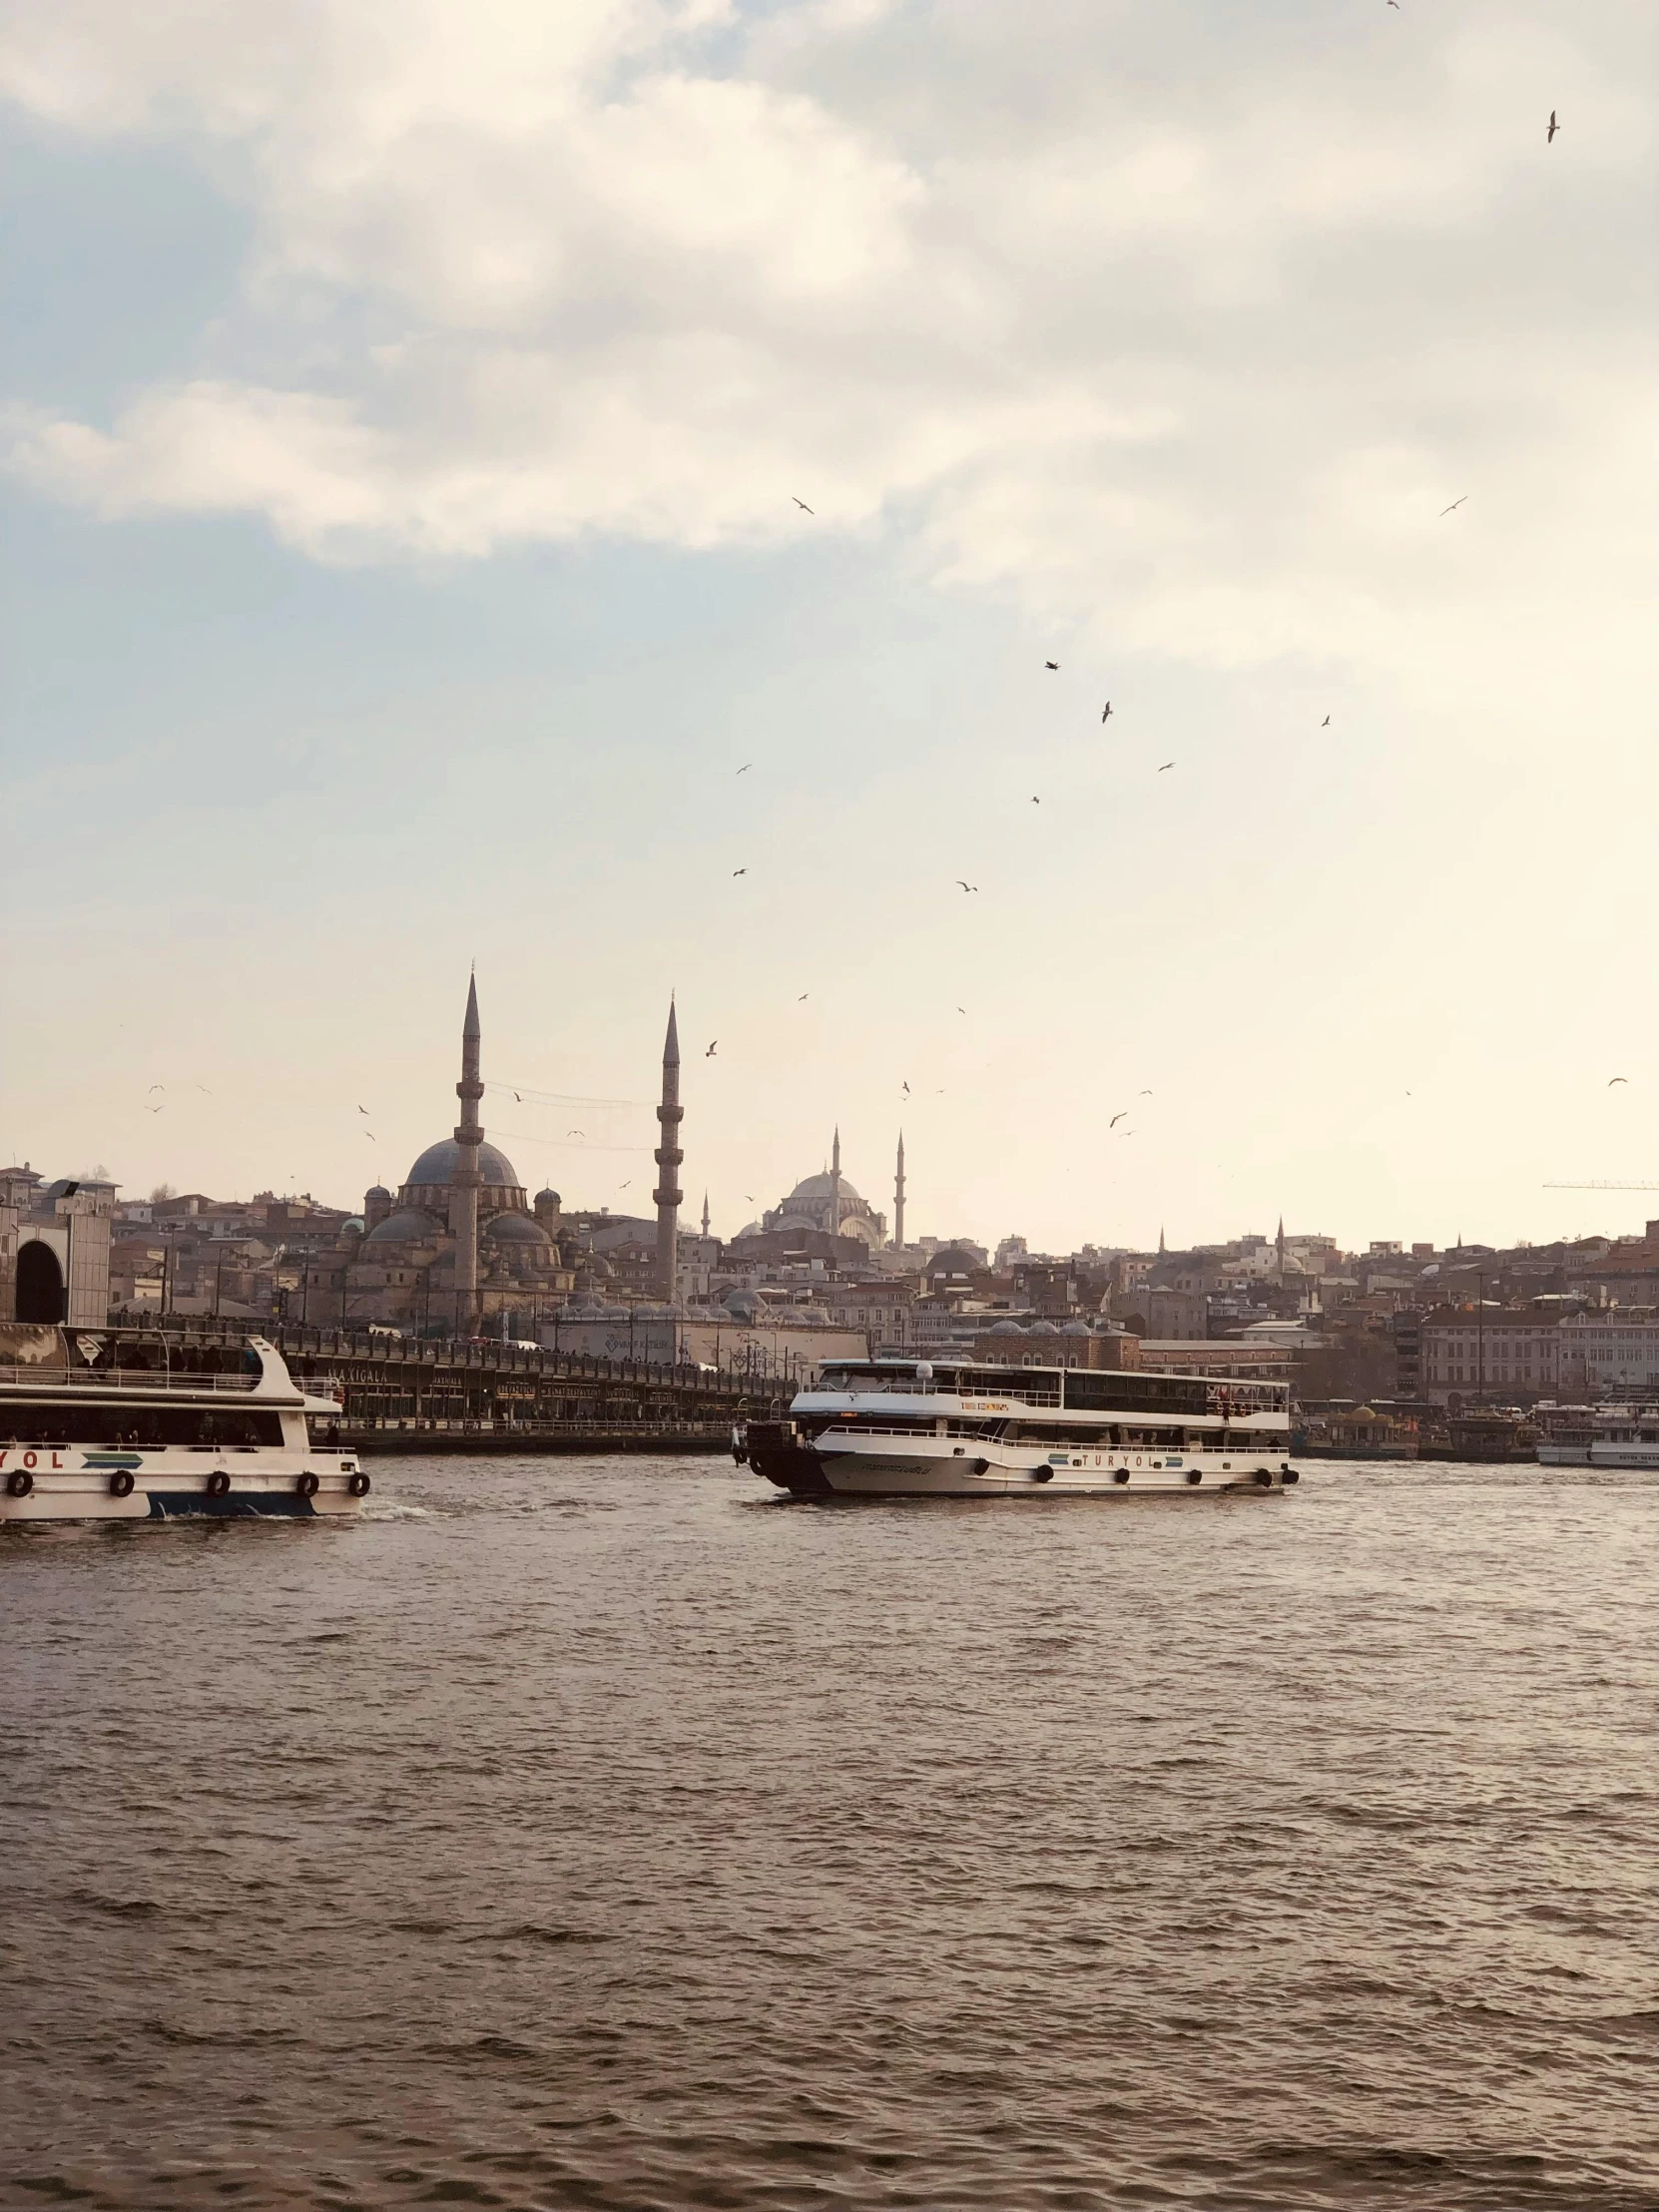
408 1227
548 1198
1044 1329
1008 1329
377 1190
516 1229
1075 1329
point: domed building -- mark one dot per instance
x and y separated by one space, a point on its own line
826 1203
460 1244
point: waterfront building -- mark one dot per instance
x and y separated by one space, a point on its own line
55 1249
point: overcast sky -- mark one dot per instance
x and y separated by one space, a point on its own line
404 407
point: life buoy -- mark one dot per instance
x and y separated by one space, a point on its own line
358 1484
1195 1475
306 1483
219 1482
1120 1475
20 1482
121 1483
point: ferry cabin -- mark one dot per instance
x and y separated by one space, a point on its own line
906 1427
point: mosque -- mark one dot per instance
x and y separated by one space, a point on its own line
461 1243
829 1203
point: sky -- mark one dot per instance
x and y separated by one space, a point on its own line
404 411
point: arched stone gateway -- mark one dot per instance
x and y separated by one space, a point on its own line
40 1294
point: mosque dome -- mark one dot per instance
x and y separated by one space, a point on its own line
548 1198
437 1165
411 1226
823 1186
1044 1329
1008 1329
379 1191
516 1229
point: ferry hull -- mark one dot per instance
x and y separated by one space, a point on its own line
70 1498
846 1469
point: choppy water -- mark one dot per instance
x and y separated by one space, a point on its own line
617 1834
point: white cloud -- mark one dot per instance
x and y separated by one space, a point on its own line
1154 318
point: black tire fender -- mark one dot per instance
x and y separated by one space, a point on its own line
19 1482
1195 1475
358 1484
219 1482
121 1483
306 1483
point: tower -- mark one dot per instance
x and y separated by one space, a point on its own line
464 1183
704 1213
669 1157
898 1197
1279 1248
835 1184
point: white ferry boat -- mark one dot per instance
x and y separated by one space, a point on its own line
920 1429
82 1441
1602 1436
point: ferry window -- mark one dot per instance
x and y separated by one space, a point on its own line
144 1428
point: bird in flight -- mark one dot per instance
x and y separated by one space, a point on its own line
364 1109
1106 711
1116 1118
1549 134
517 1101
962 1009
739 871
1035 801
802 505
709 1055
157 1086
1325 724
1453 509
1051 663
747 766
1616 1079
905 1088
1167 764
154 1109
1395 4
801 1001
575 1132
626 1186
968 886
372 1137
1143 1094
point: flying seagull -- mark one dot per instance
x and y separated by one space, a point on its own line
1106 711
1116 1118
575 1132
1453 509
627 1185
157 1086
804 997
364 1109
747 766
1549 134
1143 1094
1051 663
968 886
154 1109
1035 801
709 1055
1167 764
1325 724
1612 1079
962 1009
372 1137
802 505
517 1101
905 1088
739 871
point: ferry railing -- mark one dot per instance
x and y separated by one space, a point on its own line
159 1379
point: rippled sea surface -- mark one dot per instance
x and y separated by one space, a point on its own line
617 1834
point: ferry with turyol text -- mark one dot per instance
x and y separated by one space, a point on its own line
939 1429
85 1438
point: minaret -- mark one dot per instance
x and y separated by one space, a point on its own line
464 1183
835 1184
1279 1247
898 1197
704 1213
669 1157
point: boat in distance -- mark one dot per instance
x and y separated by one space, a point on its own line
96 1442
955 1429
